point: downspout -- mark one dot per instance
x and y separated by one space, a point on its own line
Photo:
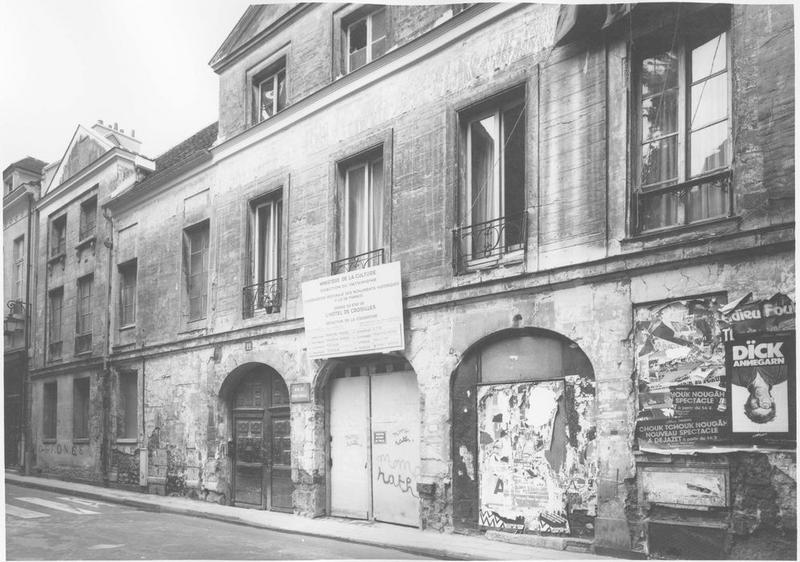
105 447
30 278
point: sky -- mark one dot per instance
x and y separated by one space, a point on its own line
142 64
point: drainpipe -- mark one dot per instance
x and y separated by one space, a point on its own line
105 446
30 279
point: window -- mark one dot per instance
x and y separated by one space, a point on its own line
80 408
683 142
83 324
269 88
127 405
88 218
492 199
19 268
58 236
361 227
365 39
265 289
56 302
127 294
195 251
50 413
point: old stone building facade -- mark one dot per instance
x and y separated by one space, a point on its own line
562 193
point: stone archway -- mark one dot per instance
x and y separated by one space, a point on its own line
258 403
523 435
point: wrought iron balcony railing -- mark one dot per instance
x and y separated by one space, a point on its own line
54 351
488 241
83 343
360 261
266 295
670 206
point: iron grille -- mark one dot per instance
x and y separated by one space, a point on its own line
490 240
266 295
360 261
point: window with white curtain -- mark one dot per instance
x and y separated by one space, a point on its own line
682 93
267 241
363 206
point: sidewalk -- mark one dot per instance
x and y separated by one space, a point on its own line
426 543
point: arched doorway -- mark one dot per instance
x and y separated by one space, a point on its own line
261 455
524 454
373 418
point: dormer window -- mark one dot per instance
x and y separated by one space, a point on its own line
269 89
365 39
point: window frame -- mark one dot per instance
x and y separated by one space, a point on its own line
19 268
55 328
84 312
123 271
689 38
270 73
86 229
125 430
58 236
50 411
203 226
366 14
273 239
369 163
81 406
508 102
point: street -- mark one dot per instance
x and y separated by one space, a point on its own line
43 525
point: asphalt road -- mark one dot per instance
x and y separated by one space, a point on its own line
43 525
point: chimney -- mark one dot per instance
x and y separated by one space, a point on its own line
133 133
100 121
116 126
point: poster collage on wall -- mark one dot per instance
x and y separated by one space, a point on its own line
713 373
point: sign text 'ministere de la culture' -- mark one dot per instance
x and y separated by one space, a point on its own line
354 313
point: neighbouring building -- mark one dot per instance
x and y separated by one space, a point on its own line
507 268
21 182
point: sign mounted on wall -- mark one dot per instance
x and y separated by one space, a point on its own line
354 313
761 379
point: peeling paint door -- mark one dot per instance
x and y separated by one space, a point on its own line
395 448
349 447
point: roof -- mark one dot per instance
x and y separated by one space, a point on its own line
174 161
201 140
28 163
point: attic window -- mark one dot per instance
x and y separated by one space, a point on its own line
269 91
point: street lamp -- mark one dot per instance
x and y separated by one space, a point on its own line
15 321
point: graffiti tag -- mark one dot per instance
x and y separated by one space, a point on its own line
402 482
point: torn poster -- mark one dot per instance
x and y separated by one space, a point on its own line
680 364
519 488
687 373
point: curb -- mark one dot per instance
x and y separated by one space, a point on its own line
442 554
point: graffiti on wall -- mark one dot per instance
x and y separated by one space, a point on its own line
692 382
70 449
519 488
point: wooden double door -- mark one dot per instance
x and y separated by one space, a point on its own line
262 475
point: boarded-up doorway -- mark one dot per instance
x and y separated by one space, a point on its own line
374 447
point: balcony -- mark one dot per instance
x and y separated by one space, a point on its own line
83 343
266 295
486 244
360 261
